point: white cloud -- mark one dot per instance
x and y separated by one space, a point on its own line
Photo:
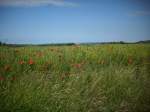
36 3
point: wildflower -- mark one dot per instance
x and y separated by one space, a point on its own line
77 65
130 61
31 62
21 62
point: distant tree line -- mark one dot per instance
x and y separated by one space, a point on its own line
146 41
2 43
57 44
22 45
70 44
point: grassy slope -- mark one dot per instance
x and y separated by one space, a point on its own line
97 78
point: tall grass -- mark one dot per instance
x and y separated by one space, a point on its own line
97 78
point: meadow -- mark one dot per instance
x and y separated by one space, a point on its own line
77 78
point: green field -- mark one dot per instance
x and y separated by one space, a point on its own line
78 78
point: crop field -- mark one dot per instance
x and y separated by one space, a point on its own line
77 78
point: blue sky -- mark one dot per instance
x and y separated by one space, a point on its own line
58 21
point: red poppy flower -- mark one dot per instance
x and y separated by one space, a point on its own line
77 65
21 62
31 62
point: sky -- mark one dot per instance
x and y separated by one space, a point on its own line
63 21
